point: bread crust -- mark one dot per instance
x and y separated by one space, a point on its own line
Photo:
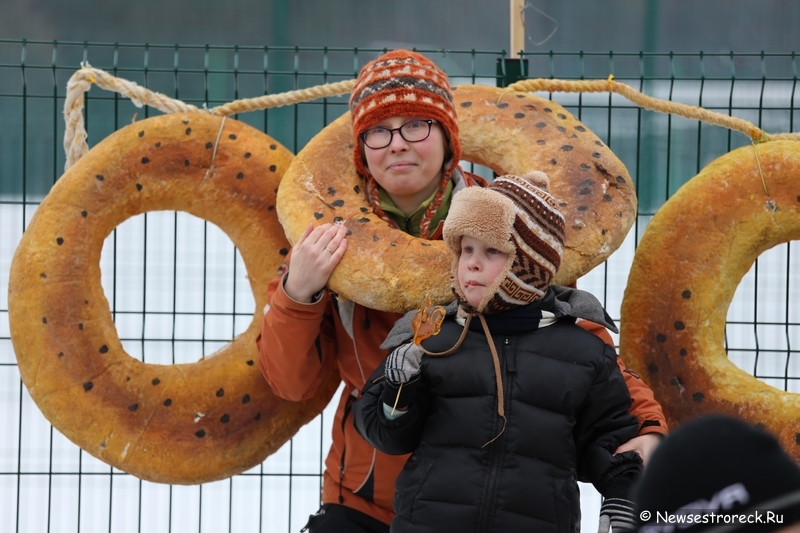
511 133
182 423
687 267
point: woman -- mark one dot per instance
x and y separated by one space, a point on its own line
406 147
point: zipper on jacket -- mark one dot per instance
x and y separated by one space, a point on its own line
348 406
495 457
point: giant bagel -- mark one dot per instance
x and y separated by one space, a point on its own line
183 423
389 270
685 272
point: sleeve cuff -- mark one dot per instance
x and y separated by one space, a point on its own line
390 392
619 480
387 412
619 487
652 427
315 299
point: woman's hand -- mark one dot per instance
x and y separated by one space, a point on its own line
314 256
644 445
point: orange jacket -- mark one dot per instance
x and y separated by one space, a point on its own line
297 344
643 404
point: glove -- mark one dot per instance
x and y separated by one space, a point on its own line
616 514
402 365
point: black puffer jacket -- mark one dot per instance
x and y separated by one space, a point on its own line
566 408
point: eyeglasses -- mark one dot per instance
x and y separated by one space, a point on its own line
413 132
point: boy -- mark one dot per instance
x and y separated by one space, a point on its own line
524 404
410 179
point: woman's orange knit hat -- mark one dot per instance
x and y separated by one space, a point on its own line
403 83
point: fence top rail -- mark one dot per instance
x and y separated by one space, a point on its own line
442 51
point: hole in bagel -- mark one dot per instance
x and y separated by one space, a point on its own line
176 286
762 333
482 171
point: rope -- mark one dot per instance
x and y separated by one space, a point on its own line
81 81
287 98
760 170
211 169
75 145
756 134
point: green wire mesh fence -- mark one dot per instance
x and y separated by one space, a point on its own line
176 297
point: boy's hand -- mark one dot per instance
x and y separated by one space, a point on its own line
402 365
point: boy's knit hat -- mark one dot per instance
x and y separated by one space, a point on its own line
721 465
518 216
404 83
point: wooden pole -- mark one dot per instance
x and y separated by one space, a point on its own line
517 27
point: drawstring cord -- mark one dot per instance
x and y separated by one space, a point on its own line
498 378
457 344
495 360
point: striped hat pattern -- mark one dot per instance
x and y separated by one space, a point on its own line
518 216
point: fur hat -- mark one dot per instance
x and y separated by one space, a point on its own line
404 83
518 216
718 464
